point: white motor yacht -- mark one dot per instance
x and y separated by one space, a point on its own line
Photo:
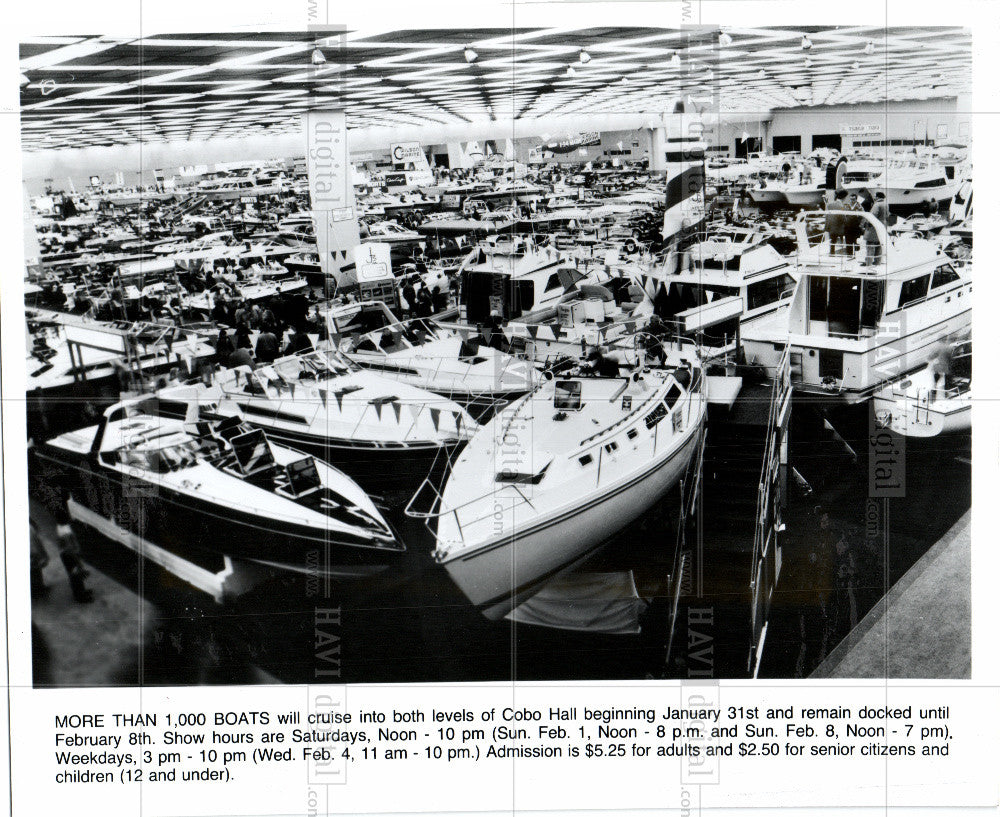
861 318
911 181
379 430
917 406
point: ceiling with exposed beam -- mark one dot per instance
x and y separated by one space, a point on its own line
86 91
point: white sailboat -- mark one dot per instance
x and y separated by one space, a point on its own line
553 477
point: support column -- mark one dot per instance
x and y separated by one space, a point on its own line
658 150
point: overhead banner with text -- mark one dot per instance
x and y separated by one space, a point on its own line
331 189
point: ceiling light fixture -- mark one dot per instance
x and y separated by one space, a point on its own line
570 71
855 65
806 42
675 60
807 62
318 57
870 47
584 57
725 39
470 55
761 74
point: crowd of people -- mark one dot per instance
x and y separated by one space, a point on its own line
845 231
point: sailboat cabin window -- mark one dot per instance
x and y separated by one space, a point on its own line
914 290
943 276
672 396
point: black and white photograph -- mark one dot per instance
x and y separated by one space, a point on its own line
350 352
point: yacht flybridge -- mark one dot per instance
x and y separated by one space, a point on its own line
515 278
860 318
555 475
719 288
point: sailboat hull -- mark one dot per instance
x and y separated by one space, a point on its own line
498 575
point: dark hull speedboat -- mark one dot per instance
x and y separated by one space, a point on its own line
201 496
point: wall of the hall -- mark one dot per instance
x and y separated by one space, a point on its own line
947 118
137 162
933 119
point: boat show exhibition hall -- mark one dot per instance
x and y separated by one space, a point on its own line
491 354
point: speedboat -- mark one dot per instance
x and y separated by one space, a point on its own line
911 181
860 319
393 234
917 407
452 362
210 244
204 493
227 188
298 230
804 195
382 431
260 283
768 192
556 475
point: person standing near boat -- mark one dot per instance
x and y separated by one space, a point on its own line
267 348
873 246
941 366
835 221
852 224
224 347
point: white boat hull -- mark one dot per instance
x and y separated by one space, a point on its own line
905 196
767 195
498 575
924 421
804 196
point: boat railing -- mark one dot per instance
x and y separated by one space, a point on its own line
926 395
815 245
864 332
436 509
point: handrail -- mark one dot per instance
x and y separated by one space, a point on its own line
759 530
